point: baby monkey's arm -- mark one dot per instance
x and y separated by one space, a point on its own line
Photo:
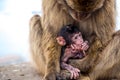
74 71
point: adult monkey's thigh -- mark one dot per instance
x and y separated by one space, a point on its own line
41 41
36 33
109 61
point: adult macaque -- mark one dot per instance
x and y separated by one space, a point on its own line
74 47
95 19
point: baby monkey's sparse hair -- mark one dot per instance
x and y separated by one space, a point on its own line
67 32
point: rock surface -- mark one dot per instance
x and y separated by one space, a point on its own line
23 71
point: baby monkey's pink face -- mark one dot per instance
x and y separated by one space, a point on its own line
77 38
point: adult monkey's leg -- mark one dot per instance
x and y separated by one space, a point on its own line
109 62
42 44
35 36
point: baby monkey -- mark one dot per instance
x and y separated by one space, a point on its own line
73 47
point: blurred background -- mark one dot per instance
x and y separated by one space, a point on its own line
14 28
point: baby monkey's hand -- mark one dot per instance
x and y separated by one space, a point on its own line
85 46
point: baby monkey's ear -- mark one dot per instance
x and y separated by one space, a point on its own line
61 41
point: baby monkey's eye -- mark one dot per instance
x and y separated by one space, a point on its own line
76 37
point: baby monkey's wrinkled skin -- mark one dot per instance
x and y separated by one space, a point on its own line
73 47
